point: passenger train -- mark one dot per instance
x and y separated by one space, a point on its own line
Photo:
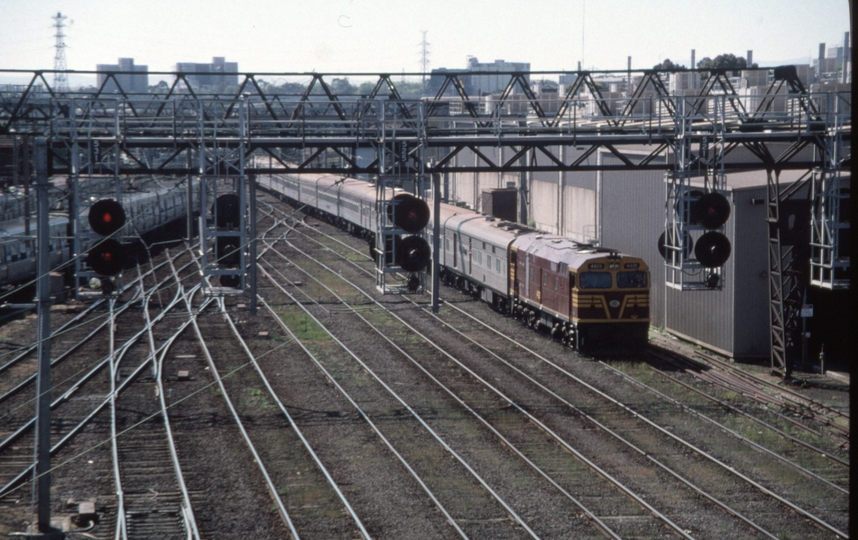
146 211
590 297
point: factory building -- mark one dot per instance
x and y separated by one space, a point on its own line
480 79
138 83
218 73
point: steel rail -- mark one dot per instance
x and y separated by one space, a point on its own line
758 486
413 413
599 523
789 394
720 378
354 404
91 373
68 326
584 459
60 330
294 426
64 355
756 446
818 521
780 432
258 459
5 490
187 508
121 515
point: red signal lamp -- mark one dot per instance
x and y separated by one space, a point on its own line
410 214
107 257
106 216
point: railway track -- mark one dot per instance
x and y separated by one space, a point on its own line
616 484
104 383
420 452
337 413
775 516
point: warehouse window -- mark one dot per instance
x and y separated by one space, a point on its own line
497 265
479 257
556 283
489 261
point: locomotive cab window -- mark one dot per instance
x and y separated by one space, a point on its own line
630 280
594 280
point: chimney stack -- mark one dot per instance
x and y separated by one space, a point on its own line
629 77
693 66
820 67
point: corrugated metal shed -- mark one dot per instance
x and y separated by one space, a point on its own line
734 320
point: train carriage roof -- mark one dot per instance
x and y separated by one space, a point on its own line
562 250
474 224
15 227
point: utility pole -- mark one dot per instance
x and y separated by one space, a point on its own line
424 57
61 82
43 391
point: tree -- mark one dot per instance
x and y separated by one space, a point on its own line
342 86
161 88
366 88
724 61
668 66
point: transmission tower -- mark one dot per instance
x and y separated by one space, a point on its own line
424 57
61 82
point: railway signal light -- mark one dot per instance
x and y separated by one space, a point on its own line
410 214
107 255
227 250
708 210
712 249
227 212
711 210
413 253
106 217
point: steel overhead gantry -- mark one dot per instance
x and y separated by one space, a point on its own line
308 127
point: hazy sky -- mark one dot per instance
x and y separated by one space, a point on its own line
348 36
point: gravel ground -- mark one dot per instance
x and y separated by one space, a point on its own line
230 499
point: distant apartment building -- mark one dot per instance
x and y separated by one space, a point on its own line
480 79
218 73
485 78
832 64
122 76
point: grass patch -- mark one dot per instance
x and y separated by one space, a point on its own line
304 327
